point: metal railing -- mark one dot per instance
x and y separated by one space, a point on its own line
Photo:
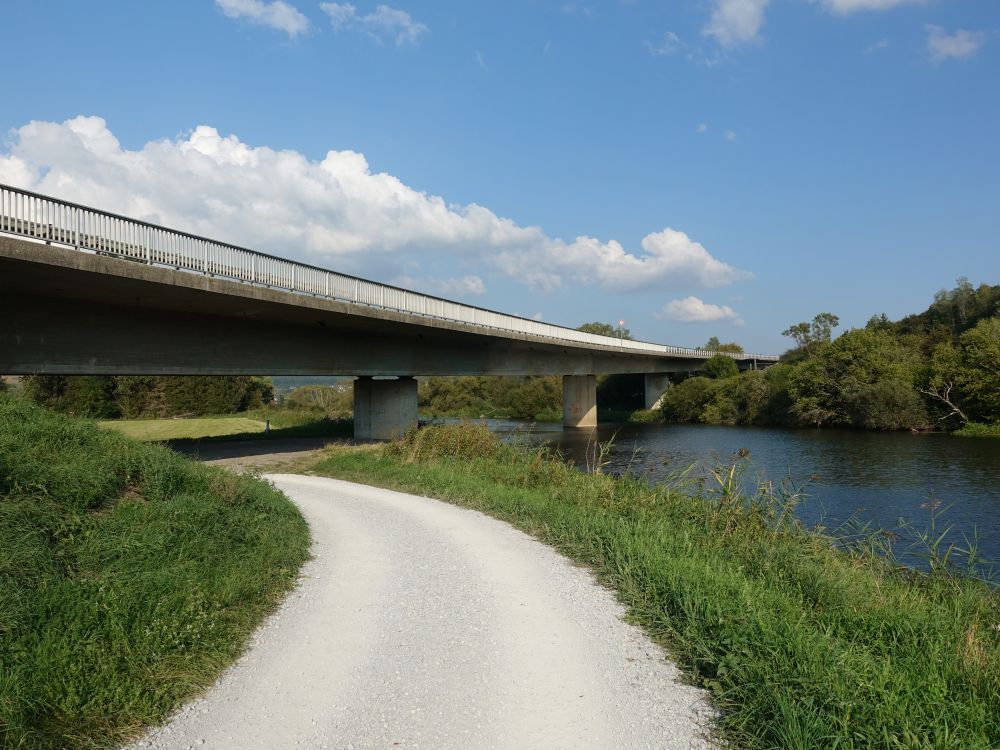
48 219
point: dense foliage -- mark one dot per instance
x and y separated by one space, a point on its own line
129 577
132 397
937 369
335 401
538 398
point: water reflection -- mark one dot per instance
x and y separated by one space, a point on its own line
879 477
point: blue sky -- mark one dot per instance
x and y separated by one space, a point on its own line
698 168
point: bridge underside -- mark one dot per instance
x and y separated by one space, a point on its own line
66 312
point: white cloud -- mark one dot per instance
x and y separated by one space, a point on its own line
276 14
702 127
735 22
958 46
668 44
881 44
460 286
335 212
846 7
383 21
694 310
730 135
341 14
481 60
671 260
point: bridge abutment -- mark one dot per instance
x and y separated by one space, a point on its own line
656 387
579 401
384 409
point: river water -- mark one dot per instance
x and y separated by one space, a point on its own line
878 478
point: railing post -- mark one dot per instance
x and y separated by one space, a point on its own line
327 283
253 269
149 246
76 224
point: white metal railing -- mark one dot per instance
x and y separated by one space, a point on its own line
41 217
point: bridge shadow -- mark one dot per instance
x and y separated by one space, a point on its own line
261 449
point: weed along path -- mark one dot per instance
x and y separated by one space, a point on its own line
418 624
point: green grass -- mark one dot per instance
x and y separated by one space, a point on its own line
158 430
129 577
803 643
285 423
978 429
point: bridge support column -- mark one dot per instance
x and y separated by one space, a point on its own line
384 409
657 384
579 401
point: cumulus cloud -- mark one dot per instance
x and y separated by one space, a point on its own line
671 260
736 22
958 46
381 22
276 14
460 286
846 7
694 310
334 211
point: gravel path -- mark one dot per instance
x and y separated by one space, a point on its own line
418 624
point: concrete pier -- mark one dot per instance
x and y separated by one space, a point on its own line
579 401
384 409
657 384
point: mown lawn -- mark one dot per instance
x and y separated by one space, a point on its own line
129 577
804 643
285 423
158 430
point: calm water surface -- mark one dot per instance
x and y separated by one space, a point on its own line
876 477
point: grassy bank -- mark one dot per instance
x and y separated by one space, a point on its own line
803 644
978 429
129 577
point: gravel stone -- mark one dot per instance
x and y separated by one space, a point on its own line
418 624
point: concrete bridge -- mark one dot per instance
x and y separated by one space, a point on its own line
83 291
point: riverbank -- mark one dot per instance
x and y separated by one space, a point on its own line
129 577
803 644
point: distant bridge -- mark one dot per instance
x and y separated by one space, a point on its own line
84 291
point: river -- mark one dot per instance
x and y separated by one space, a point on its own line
877 478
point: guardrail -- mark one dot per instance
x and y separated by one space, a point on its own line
42 217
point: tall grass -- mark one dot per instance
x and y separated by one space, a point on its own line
805 642
129 577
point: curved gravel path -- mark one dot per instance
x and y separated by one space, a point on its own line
418 624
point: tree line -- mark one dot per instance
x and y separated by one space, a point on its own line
133 397
936 369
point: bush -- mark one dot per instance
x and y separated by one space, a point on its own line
886 405
721 366
686 401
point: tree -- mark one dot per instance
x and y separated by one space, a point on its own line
605 329
333 400
720 367
866 378
979 369
809 336
714 345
